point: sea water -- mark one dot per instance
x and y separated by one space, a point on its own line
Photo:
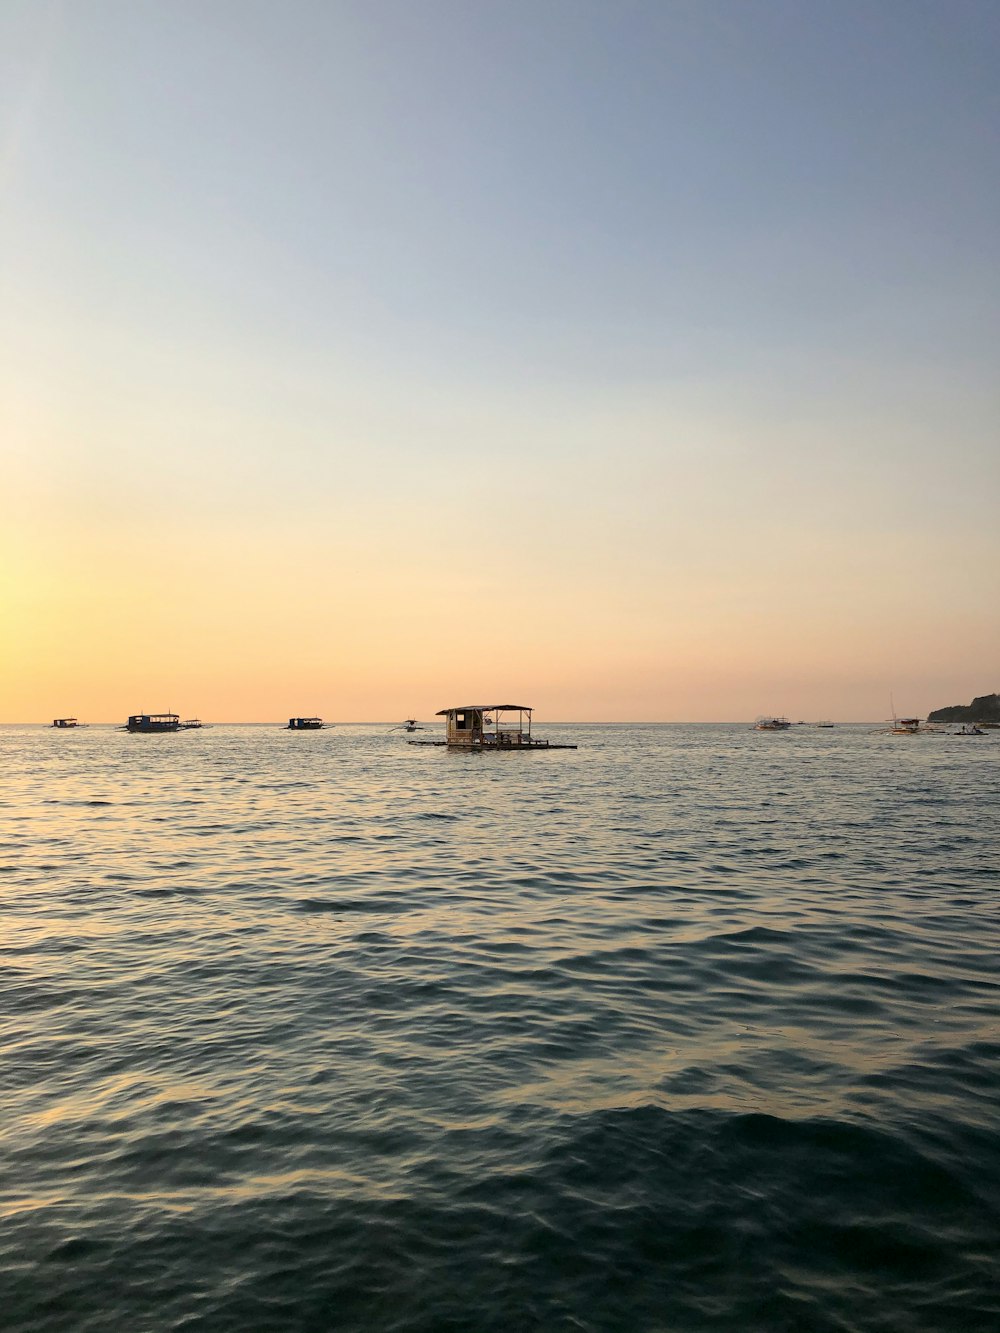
694 1027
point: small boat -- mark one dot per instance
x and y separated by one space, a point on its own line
192 724
771 724
911 726
407 724
907 726
153 723
824 724
970 729
305 724
63 722
484 727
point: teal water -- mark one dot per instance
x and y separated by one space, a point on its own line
690 1028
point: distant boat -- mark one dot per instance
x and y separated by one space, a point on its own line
62 722
906 726
969 729
911 726
408 724
150 723
824 724
772 724
192 724
305 724
482 727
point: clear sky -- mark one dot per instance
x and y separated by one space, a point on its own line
362 357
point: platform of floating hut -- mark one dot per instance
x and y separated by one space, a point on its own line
484 727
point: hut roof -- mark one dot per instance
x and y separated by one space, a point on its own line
484 708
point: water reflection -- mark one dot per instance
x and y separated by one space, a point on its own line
258 986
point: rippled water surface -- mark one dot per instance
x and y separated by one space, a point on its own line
690 1028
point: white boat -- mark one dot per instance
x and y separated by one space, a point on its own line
906 726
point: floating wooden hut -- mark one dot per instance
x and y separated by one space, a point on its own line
305 724
491 727
65 722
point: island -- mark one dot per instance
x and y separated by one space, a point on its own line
984 709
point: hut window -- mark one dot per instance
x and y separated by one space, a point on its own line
461 722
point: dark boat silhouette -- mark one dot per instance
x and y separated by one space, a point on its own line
153 723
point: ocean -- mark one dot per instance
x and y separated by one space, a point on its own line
691 1028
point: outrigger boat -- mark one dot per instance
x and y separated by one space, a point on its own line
151 723
906 726
910 726
484 727
305 724
63 722
772 724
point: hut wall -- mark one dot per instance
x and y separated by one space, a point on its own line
465 726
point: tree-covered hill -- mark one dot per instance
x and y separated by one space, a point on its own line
984 709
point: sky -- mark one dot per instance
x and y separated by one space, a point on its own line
637 360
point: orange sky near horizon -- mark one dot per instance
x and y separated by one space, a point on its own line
658 603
